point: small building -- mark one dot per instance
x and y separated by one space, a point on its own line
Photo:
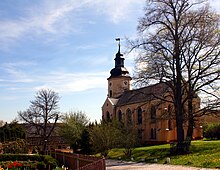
36 143
144 108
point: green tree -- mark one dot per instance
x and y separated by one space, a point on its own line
212 131
42 115
112 134
17 146
104 136
11 132
128 138
179 43
73 128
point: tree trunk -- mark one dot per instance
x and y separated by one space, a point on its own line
190 122
178 98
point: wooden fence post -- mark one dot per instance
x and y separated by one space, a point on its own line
77 161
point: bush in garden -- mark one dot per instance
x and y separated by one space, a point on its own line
212 131
50 161
20 157
27 161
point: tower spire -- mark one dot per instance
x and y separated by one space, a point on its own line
119 69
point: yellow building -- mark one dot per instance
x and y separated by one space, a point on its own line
142 107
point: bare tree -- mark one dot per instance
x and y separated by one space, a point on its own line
179 44
42 115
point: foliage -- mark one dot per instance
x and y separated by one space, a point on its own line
42 115
111 134
85 144
128 138
204 154
104 136
11 131
50 161
14 165
20 157
212 131
16 147
11 161
73 128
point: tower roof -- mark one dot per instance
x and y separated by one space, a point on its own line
119 69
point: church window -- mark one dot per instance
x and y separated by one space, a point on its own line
108 116
129 116
169 125
139 116
110 93
153 133
153 113
119 116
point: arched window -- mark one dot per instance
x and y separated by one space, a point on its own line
129 116
110 93
153 113
108 116
153 133
139 116
119 116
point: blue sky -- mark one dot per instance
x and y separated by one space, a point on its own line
68 46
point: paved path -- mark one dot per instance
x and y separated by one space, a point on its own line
122 165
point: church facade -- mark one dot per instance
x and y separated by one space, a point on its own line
141 107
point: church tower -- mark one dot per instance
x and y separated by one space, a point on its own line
119 80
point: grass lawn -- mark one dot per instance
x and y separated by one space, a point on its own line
204 154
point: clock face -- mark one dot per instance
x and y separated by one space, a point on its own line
125 82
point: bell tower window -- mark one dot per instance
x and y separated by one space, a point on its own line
110 93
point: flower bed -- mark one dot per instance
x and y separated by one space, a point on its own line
27 162
20 165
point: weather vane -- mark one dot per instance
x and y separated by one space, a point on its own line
118 39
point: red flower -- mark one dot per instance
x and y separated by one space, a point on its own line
19 164
15 164
10 166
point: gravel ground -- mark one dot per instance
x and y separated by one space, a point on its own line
122 165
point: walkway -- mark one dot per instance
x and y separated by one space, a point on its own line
122 165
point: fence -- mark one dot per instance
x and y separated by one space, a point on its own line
78 161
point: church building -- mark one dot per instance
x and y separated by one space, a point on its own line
141 107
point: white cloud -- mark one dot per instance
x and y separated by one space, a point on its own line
63 82
116 10
49 17
61 17
14 72
69 82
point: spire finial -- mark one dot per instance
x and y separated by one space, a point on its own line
118 39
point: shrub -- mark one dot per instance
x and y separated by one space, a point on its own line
33 161
20 157
50 161
212 131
